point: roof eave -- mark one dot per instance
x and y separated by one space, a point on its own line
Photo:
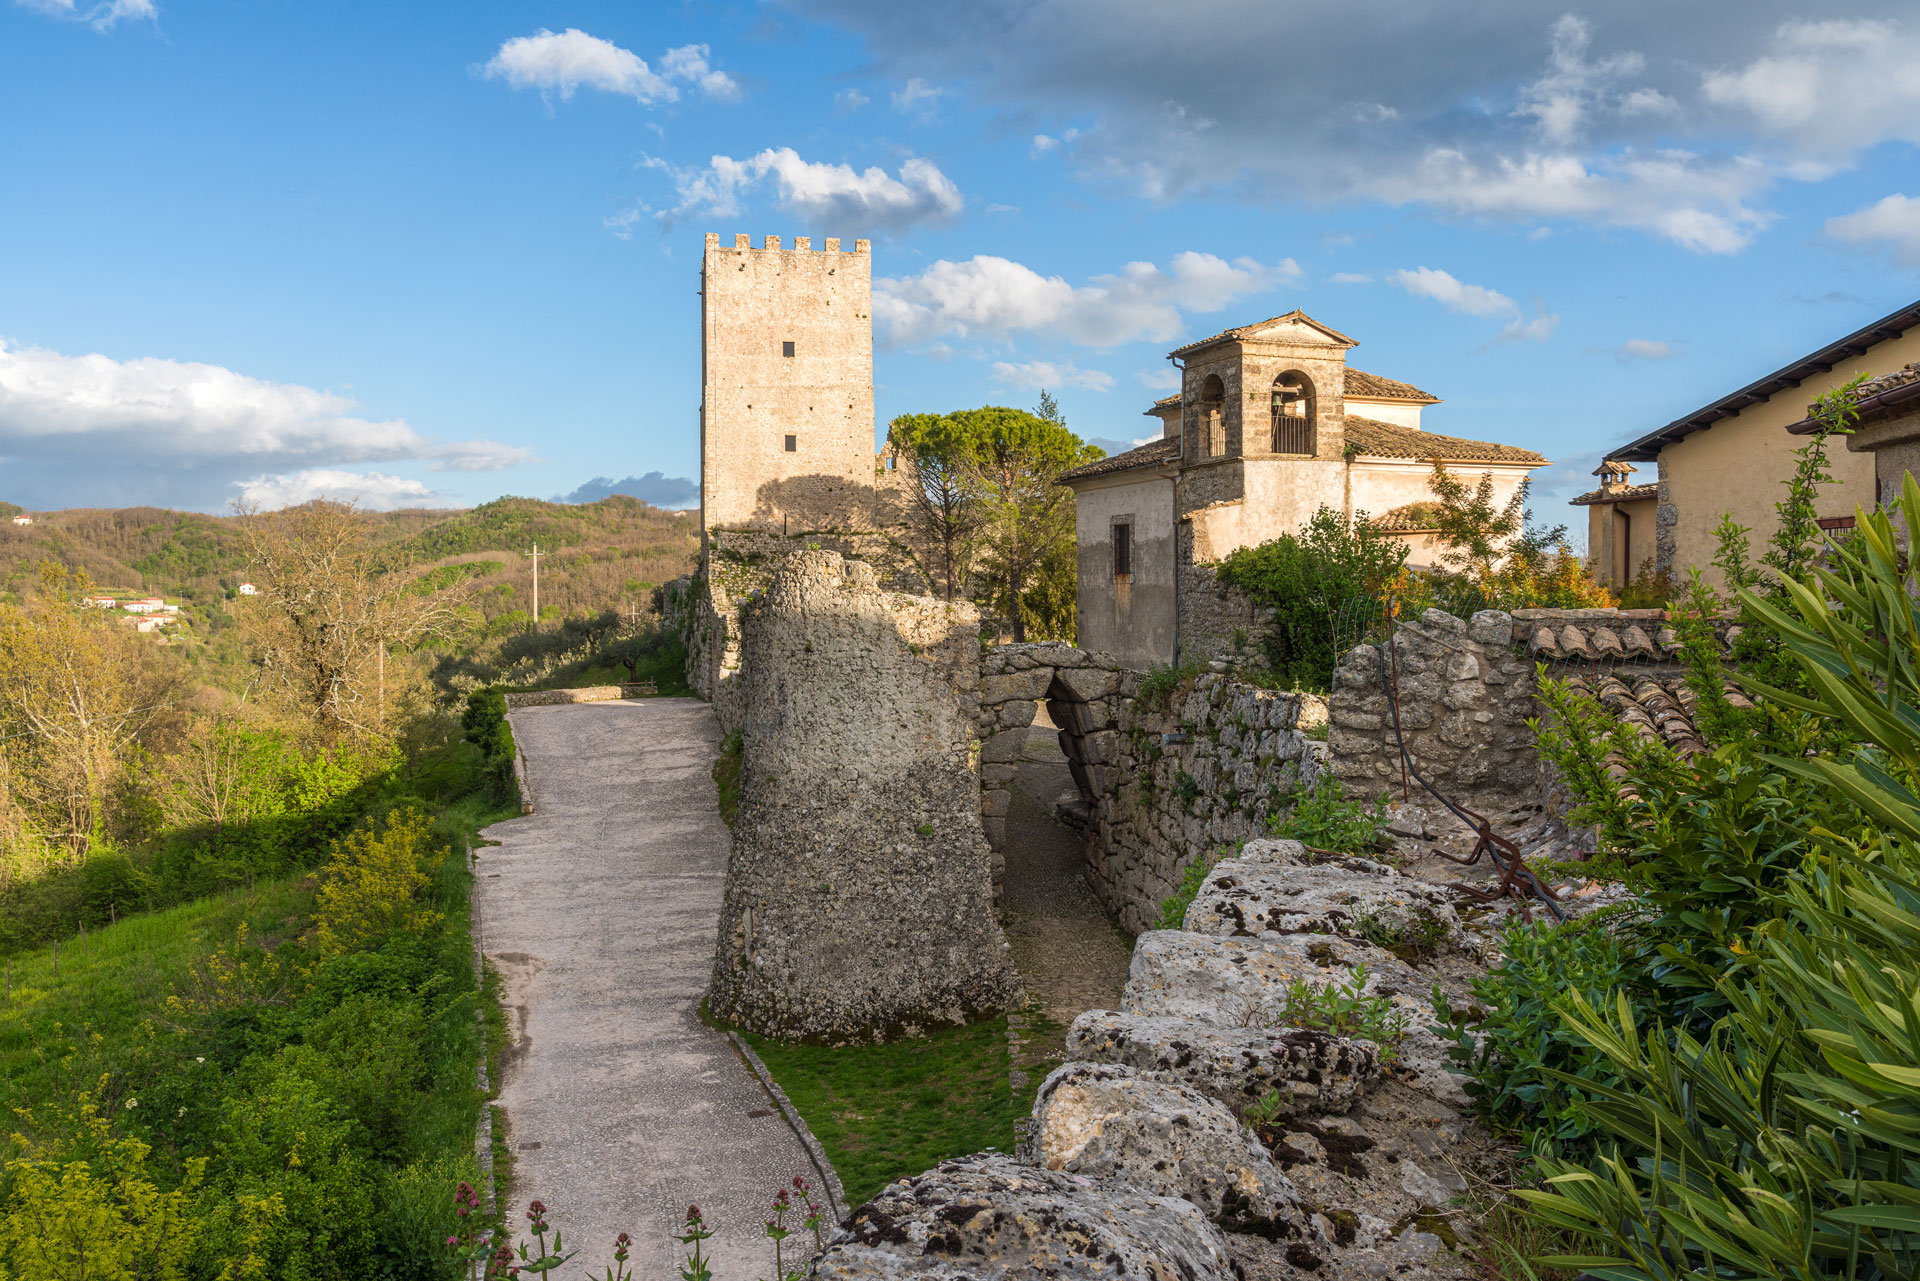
1892 398
1647 448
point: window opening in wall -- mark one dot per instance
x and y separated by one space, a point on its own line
786 349
1213 419
1293 414
1122 549
793 444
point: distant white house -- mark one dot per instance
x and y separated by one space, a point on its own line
23 520
99 602
248 589
148 605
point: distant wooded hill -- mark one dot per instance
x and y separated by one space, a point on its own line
594 556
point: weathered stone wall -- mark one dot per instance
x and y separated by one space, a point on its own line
1163 780
859 900
1466 691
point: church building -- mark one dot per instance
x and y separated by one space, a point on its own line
1270 425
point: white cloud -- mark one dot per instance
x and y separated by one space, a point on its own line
1454 295
185 427
1829 88
823 194
1539 329
1350 278
1699 204
102 16
1044 373
1159 379
565 61
917 98
1894 219
1003 209
850 100
373 489
1573 88
989 297
1644 349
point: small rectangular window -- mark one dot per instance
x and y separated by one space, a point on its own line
793 444
1123 549
786 349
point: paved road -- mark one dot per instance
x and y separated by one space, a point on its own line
599 911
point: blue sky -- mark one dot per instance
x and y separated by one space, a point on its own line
433 253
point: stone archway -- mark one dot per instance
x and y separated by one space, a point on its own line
1079 689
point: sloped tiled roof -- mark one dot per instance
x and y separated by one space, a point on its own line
1386 440
1891 395
1243 331
1413 518
1162 405
1362 383
1628 494
1154 453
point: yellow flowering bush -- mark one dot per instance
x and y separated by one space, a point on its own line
373 883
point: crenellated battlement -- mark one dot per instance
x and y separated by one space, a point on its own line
801 244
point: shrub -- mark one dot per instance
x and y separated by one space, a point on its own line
1173 908
484 722
1306 581
374 881
1321 816
1158 685
1776 1140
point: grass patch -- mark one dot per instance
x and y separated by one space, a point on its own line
883 1112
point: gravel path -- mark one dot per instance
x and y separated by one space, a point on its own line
1069 954
599 912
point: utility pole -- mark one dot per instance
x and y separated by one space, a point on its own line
536 587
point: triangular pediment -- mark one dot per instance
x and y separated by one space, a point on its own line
1296 327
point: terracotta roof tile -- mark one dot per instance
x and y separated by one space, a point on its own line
1154 453
1628 494
1413 518
1362 383
1386 440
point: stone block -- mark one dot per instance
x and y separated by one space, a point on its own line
998 775
1102 748
1465 694
1111 1121
995 803
1244 899
1004 747
1016 715
1491 627
1311 1071
993 1218
1089 683
1351 718
1026 686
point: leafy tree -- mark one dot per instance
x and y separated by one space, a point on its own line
326 615
1474 534
1497 557
946 510
78 697
1027 525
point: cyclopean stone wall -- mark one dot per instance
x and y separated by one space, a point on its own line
1466 691
1163 780
859 900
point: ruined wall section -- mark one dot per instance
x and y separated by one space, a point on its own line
1164 780
859 900
786 352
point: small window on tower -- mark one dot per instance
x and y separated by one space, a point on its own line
793 444
1123 549
786 349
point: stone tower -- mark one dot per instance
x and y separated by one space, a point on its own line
786 411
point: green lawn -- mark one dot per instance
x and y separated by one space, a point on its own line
113 981
886 1111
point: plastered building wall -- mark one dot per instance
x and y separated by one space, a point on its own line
1739 464
754 396
1132 619
1382 484
1620 539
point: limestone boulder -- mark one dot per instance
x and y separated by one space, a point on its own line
1356 898
1116 1122
1260 982
990 1218
1311 1071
